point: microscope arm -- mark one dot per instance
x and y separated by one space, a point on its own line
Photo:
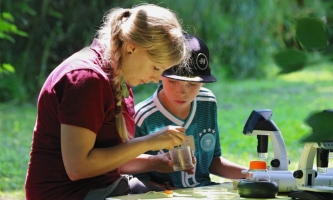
305 175
307 157
280 151
259 123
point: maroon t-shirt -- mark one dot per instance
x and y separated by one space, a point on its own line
78 93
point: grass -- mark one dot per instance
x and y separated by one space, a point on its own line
16 126
291 97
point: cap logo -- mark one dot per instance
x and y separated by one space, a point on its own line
202 61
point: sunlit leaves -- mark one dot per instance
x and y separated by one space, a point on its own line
6 67
8 27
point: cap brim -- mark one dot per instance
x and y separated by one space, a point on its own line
201 79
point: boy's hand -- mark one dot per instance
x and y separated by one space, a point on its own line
164 164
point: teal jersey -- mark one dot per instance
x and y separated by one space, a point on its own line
152 116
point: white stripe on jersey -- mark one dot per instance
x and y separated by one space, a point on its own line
142 108
151 105
206 99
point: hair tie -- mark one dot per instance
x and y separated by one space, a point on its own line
127 13
124 90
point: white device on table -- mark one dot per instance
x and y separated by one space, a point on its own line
307 182
259 123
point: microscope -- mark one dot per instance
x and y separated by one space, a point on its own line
306 177
260 124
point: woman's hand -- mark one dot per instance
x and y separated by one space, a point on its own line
162 163
166 138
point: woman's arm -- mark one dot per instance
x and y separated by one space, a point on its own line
145 163
82 160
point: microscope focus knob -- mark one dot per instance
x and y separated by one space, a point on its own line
298 174
275 163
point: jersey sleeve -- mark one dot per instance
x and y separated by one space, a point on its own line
140 131
141 128
217 150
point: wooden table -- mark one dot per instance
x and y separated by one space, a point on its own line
188 193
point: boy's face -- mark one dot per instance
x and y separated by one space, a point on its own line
179 94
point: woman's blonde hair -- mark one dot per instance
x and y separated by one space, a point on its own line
151 27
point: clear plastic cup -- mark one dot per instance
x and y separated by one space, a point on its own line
181 158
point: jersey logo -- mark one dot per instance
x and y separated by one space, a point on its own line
207 141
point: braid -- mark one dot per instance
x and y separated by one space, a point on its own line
120 121
116 61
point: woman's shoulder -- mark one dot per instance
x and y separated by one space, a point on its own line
83 62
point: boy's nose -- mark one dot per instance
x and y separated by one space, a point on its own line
181 89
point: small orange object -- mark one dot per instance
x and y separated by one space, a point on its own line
168 191
257 165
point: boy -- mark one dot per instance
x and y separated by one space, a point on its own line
181 100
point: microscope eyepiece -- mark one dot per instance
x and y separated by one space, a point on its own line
322 160
262 147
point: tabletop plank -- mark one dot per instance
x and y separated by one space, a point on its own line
188 194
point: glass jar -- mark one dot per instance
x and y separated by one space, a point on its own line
257 171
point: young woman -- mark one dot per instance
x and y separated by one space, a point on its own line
83 131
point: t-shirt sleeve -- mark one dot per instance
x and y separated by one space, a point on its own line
82 96
139 131
217 150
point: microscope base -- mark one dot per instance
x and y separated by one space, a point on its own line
287 183
309 195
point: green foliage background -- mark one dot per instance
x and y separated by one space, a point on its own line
246 40
291 97
242 35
